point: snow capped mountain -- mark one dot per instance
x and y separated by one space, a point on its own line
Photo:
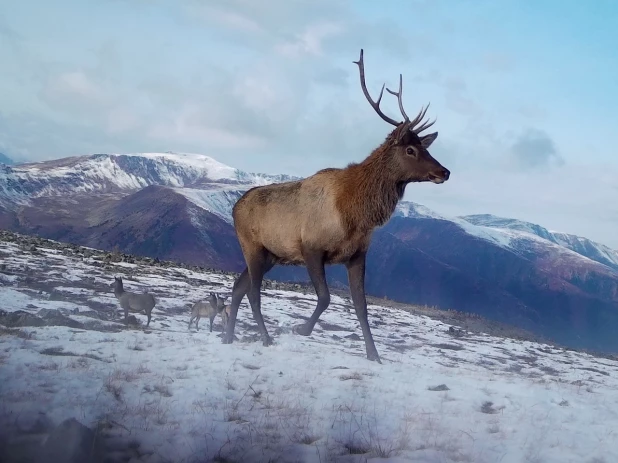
583 246
4 159
492 221
118 173
215 187
178 206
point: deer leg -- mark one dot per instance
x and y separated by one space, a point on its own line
190 321
149 315
224 320
240 288
197 321
211 318
356 278
314 262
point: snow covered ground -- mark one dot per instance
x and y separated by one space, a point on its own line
171 394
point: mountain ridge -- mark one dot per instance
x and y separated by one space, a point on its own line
178 206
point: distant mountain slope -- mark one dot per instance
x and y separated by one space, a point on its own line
588 248
178 206
4 159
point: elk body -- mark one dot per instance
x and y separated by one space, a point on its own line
213 306
329 218
133 302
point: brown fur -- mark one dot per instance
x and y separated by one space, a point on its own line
328 218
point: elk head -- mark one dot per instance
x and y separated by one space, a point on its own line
407 149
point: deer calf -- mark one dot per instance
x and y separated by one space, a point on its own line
224 309
133 302
213 306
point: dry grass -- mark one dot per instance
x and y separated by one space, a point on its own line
163 390
49 366
347 377
249 366
488 407
114 389
439 387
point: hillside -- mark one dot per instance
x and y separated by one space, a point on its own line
178 206
169 394
4 159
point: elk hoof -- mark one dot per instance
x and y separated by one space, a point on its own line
303 330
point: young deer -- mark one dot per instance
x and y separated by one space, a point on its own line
223 309
133 302
329 218
211 308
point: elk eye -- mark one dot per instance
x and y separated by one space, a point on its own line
411 151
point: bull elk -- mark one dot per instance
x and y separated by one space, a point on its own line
329 217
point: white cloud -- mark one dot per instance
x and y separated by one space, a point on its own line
189 125
311 41
76 83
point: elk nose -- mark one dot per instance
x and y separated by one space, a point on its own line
446 174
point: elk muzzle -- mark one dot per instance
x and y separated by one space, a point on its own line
439 176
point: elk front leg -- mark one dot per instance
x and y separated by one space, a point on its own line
356 277
314 262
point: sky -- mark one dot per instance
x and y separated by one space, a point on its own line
525 92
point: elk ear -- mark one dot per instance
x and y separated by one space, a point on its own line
428 139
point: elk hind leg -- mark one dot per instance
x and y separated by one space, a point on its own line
258 265
314 261
240 288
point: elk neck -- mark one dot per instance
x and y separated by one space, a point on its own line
371 190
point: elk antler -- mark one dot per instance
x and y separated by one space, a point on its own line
419 117
398 95
425 125
374 104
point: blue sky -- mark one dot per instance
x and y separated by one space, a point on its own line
525 92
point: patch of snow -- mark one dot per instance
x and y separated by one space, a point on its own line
219 202
215 170
182 395
410 209
495 235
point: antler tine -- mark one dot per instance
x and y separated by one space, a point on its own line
398 95
374 104
425 125
419 117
